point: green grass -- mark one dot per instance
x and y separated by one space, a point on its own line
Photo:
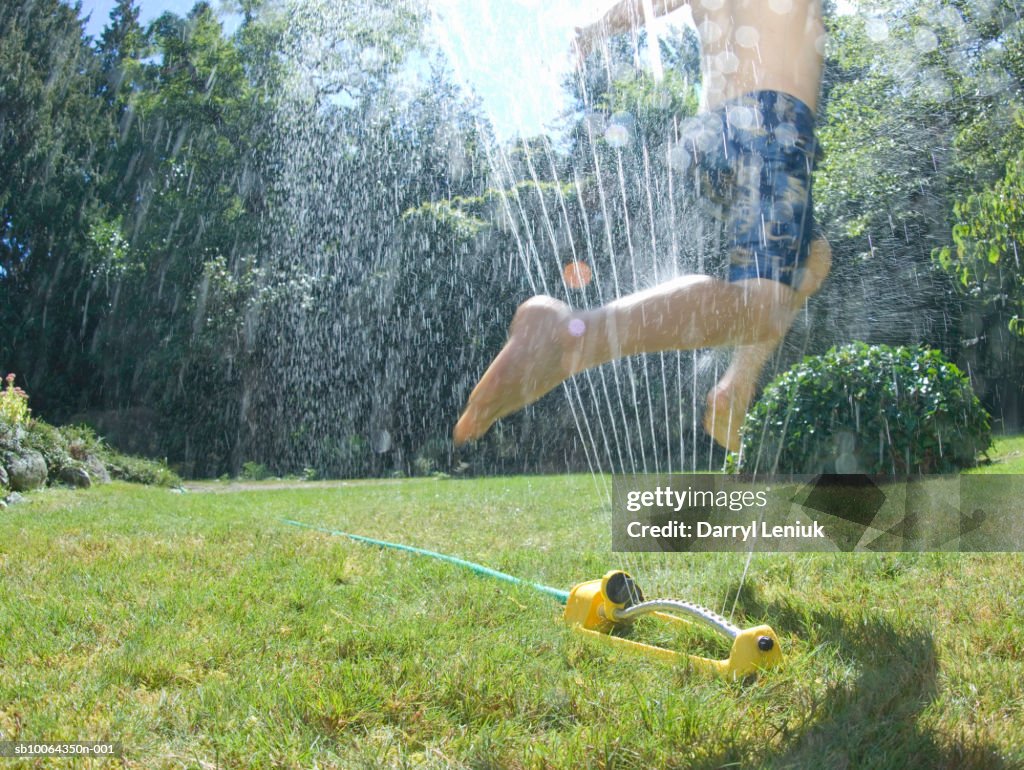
201 632
1007 456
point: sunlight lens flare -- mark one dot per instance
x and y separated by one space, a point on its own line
577 274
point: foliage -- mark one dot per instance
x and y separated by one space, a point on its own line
988 239
50 443
77 446
252 471
290 239
869 409
50 124
140 470
918 112
13 404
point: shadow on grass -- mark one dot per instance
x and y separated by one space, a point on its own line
874 721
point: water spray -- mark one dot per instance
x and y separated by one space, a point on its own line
600 609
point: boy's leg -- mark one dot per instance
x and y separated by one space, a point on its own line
727 403
549 343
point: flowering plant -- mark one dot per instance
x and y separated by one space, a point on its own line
13 403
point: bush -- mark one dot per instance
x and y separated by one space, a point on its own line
50 443
13 404
867 409
254 471
140 470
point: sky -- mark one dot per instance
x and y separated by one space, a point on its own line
515 53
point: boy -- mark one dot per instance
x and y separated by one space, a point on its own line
761 63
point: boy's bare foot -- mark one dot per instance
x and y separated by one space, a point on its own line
543 347
727 403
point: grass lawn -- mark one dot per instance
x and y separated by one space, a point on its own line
201 632
1007 456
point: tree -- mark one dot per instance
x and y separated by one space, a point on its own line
52 136
918 112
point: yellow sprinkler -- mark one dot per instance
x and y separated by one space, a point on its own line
597 608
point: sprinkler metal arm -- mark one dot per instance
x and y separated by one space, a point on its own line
660 606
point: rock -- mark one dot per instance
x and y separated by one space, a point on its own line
4 481
26 470
14 498
97 470
75 476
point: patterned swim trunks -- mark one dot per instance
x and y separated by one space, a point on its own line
756 154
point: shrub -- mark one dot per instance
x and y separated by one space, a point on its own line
140 470
50 443
867 409
254 471
13 403
82 441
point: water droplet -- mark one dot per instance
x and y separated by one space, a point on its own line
714 81
847 463
925 40
740 117
709 31
726 62
618 133
747 37
371 57
876 29
712 5
934 86
703 133
624 119
622 71
821 44
380 441
984 10
994 83
577 327
617 136
950 17
781 6
457 163
680 158
786 134
846 442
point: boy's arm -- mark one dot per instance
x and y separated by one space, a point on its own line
624 16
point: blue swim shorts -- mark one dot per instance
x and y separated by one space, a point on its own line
755 155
